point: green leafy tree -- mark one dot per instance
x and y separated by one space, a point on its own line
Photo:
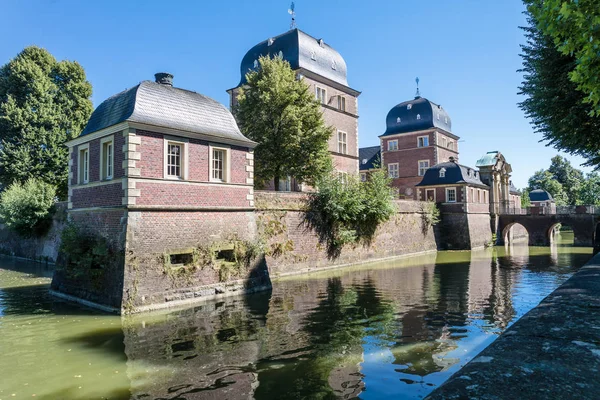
553 104
525 201
27 208
589 192
43 103
277 110
574 28
544 180
569 177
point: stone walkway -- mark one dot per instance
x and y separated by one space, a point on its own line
552 352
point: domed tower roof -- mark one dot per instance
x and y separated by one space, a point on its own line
540 195
301 51
416 115
162 105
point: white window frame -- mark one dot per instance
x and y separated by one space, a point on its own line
341 103
226 163
427 197
422 173
104 165
424 140
442 172
443 140
342 142
396 169
450 145
83 164
448 189
184 159
321 94
343 177
472 195
390 147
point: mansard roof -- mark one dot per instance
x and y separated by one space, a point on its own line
302 51
455 173
369 158
540 195
163 105
416 115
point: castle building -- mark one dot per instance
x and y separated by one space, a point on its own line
495 172
324 71
418 136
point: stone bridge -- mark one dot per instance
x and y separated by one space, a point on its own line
540 227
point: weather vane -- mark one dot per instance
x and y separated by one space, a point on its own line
292 12
418 94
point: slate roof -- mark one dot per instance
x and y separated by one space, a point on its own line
540 195
302 51
163 105
455 174
416 115
369 158
512 189
488 159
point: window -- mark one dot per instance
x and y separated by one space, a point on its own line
107 155
84 164
174 158
451 145
393 170
423 141
430 195
418 116
333 65
478 195
255 64
218 165
423 166
484 196
313 55
443 141
398 120
342 144
321 95
408 107
285 185
363 176
450 195
392 145
343 177
472 195
341 103
442 172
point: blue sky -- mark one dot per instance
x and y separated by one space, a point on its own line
465 52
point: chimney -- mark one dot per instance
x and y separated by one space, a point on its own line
164 78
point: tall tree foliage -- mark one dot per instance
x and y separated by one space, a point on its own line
544 180
43 103
568 176
554 105
574 27
278 111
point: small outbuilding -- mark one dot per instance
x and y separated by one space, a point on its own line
540 198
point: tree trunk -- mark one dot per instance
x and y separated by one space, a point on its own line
276 183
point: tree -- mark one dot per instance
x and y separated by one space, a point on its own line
525 201
27 208
554 105
544 180
589 192
570 178
278 111
574 28
43 103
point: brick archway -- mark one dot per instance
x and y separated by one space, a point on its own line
506 232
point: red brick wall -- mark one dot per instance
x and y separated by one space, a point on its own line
97 196
94 150
167 193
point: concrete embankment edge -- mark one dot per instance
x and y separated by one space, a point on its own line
552 352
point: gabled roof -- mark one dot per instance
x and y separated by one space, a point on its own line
369 158
416 115
162 105
454 174
302 51
540 195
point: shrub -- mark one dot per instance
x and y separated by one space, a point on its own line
27 208
350 212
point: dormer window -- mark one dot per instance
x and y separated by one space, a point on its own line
398 120
270 41
280 54
438 116
333 65
442 172
321 43
418 116
408 107
446 120
364 161
313 55
255 64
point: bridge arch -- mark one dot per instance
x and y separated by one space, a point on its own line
514 231
554 232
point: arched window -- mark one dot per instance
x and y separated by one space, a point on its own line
443 173
418 116
255 64
408 107
398 120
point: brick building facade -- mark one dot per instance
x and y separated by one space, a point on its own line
324 70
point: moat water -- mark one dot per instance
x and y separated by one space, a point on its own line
391 330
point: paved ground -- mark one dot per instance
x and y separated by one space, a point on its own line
553 352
